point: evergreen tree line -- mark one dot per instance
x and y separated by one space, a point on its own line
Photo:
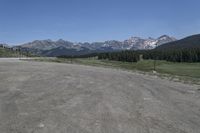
126 56
175 55
79 56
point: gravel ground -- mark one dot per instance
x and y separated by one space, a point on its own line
39 97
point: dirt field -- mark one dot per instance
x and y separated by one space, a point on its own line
39 97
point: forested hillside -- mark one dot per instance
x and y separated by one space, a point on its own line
191 42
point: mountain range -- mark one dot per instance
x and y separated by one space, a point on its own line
62 47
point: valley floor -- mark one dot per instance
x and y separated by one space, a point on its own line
44 97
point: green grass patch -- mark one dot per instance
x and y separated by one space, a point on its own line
180 69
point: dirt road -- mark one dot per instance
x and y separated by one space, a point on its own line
38 97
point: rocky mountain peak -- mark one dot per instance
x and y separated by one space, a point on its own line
133 43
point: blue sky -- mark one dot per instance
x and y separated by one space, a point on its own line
96 20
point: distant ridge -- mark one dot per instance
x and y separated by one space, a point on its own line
188 42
